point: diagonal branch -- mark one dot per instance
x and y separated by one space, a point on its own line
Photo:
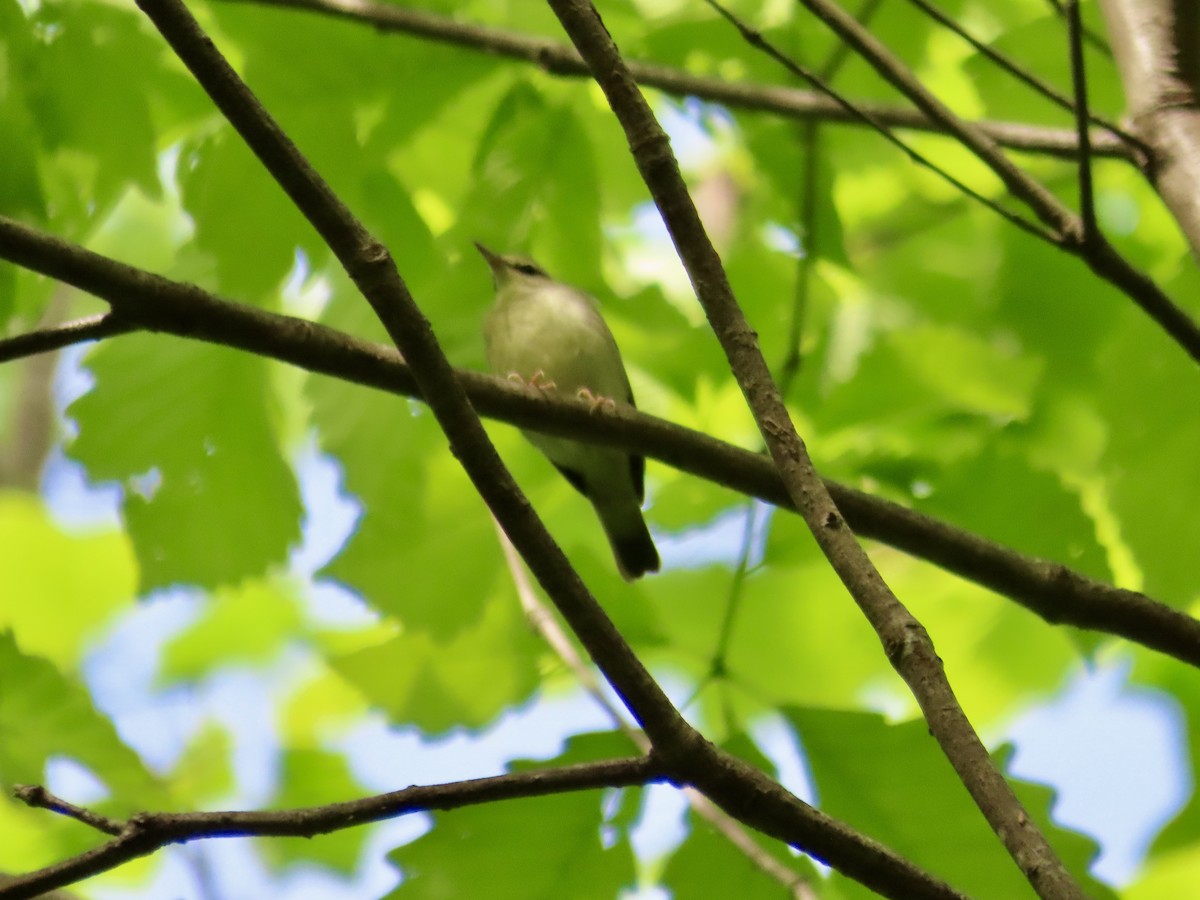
1056 593
145 833
563 60
907 645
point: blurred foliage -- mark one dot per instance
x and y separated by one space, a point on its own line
946 361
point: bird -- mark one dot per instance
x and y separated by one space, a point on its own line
552 336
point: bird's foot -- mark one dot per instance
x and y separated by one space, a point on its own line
597 401
537 380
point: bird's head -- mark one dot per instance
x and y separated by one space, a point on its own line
511 268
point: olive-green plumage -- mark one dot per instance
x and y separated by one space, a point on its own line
542 328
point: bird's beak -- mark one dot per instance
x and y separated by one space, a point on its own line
493 259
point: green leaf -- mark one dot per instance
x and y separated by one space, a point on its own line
466 681
236 205
222 502
52 715
994 495
59 588
1041 47
105 121
795 618
1150 461
204 771
21 188
549 210
244 625
708 865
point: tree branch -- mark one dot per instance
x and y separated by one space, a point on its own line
145 833
907 644
563 60
1056 593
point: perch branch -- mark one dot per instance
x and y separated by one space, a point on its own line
1055 592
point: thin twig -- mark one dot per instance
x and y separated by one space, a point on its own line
563 60
1087 203
147 832
736 585
45 340
36 796
1097 41
1045 205
543 622
808 238
755 38
1053 591
789 369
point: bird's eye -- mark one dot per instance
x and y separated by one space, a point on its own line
528 269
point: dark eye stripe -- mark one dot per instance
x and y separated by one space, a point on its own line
529 269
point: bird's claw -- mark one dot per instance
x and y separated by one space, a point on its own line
597 400
537 380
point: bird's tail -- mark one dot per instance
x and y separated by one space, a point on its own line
630 539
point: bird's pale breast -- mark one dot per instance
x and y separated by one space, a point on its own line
556 329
